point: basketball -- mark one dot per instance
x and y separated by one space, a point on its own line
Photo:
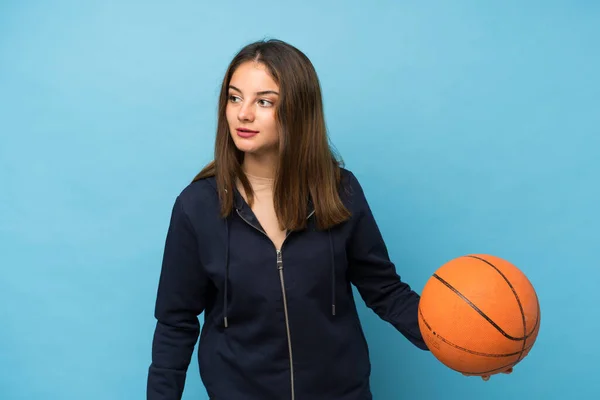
479 315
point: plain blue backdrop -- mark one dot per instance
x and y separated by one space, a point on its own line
474 128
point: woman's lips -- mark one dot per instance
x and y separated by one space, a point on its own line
246 133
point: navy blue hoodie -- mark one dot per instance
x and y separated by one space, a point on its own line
277 324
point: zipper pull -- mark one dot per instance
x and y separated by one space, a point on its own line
279 260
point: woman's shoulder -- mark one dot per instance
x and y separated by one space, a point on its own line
199 188
349 182
200 194
351 190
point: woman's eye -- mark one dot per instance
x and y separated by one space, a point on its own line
265 103
233 98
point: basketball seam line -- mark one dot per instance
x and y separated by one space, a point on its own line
516 297
479 311
477 353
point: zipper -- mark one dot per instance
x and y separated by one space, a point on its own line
287 320
283 292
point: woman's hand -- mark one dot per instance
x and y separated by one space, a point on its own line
487 377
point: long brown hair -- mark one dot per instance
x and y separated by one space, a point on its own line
308 168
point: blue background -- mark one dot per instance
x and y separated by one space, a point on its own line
474 128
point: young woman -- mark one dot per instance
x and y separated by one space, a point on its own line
268 241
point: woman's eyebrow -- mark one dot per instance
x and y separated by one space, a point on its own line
261 93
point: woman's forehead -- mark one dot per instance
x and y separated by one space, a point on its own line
253 78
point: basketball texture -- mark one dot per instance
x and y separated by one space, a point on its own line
479 315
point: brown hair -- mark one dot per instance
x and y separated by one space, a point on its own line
308 167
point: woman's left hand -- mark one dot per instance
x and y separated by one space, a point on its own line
487 377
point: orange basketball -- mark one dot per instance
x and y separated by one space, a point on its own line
479 315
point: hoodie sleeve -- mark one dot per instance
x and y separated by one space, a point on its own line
375 276
179 301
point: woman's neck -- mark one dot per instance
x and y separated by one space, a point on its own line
262 167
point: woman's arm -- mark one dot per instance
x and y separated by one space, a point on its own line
180 299
375 276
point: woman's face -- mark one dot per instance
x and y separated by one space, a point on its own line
250 110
